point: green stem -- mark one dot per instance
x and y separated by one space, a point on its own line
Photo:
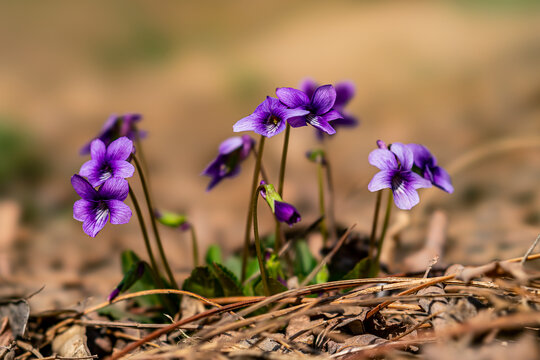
154 225
331 217
277 236
154 269
284 159
254 184
320 176
195 247
371 251
375 268
258 241
144 232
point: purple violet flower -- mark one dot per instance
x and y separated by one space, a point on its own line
108 161
427 165
344 93
232 152
286 213
319 107
283 211
118 126
97 206
396 174
268 119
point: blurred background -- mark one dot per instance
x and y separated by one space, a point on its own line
456 76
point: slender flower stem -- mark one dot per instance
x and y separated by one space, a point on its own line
375 267
144 232
331 203
258 241
249 220
154 225
154 269
371 251
278 240
322 211
195 246
284 159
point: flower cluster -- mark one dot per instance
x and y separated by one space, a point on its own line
404 169
316 106
106 188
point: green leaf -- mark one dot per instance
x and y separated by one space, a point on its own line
228 282
360 270
323 275
213 255
145 282
130 277
252 267
202 281
128 259
234 263
274 285
305 262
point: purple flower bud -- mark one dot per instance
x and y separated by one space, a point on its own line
283 211
113 295
286 213
381 145
232 152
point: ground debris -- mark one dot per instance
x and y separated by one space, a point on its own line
490 315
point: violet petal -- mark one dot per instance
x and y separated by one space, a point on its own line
292 98
120 212
83 188
323 99
381 180
119 149
383 159
114 188
404 155
442 180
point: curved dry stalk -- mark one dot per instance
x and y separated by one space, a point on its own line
149 292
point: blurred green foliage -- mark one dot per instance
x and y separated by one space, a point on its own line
20 160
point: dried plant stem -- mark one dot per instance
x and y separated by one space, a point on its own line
254 184
328 257
149 292
258 248
153 222
433 281
155 270
156 334
530 250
